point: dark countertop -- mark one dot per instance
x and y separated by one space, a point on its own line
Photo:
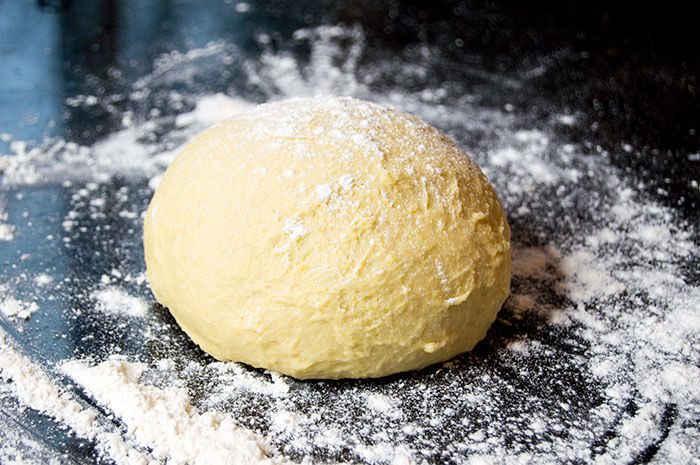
627 73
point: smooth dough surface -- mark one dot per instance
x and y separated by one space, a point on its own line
328 238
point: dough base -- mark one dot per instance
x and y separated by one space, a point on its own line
328 238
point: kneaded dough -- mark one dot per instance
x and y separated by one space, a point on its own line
328 238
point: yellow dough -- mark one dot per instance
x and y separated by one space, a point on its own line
328 238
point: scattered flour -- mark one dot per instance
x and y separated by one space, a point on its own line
13 308
211 109
163 420
7 231
286 421
117 301
231 378
36 390
593 359
567 120
387 453
384 405
19 448
242 7
586 277
43 279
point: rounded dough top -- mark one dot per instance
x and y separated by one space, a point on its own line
328 238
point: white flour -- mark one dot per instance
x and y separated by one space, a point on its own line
13 308
594 358
6 230
116 300
164 420
33 388
160 421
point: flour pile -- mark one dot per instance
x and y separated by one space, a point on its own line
594 358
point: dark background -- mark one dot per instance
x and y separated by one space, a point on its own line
631 68
629 72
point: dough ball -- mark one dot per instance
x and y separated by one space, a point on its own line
328 238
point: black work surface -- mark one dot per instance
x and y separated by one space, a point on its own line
628 74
